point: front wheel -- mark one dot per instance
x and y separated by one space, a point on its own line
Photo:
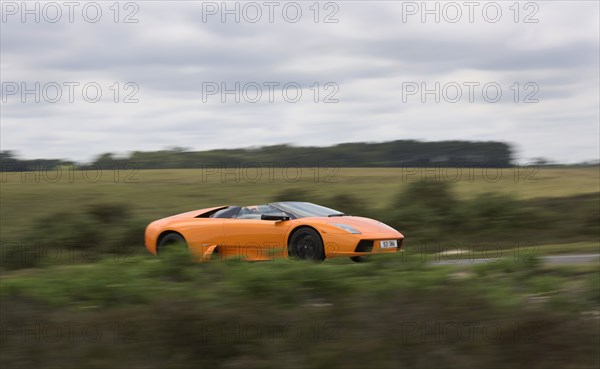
306 243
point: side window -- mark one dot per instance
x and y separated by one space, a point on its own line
249 212
268 209
256 211
230 212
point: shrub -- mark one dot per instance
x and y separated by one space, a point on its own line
75 230
94 231
490 212
425 210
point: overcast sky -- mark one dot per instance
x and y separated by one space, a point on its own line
366 64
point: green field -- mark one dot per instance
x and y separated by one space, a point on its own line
157 193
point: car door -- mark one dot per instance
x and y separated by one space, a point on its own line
255 239
202 233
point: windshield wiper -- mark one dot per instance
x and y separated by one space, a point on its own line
337 215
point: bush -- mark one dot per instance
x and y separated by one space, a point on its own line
429 212
424 210
73 230
93 231
490 213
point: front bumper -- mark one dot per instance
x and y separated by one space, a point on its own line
342 245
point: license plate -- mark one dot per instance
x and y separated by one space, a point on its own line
388 244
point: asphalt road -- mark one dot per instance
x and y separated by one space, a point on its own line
555 259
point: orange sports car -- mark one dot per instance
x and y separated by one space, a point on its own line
281 229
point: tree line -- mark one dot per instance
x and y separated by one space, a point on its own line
360 154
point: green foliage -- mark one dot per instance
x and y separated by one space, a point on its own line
424 209
176 260
77 230
429 211
576 214
87 234
492 212
340 315
544 284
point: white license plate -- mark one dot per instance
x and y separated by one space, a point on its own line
388 244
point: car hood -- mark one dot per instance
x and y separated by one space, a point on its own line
363 225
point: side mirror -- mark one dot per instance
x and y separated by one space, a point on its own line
276 217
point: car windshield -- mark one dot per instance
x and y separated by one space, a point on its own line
305 209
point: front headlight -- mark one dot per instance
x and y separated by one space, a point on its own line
346 227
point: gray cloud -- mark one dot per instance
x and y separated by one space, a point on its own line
369 54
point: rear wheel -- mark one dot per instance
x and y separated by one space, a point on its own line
306 243
170 242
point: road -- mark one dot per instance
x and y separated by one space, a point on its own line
554 259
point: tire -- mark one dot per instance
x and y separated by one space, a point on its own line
359 259
170 240
306 244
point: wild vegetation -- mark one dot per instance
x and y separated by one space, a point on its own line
104 217
392 312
